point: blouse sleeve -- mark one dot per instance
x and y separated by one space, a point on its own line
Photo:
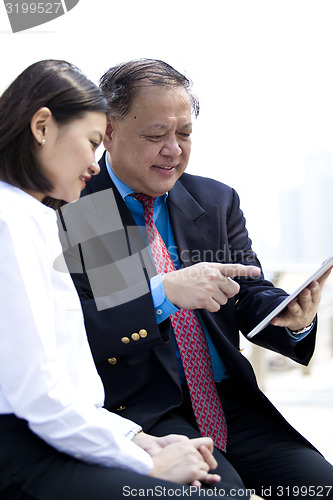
47 375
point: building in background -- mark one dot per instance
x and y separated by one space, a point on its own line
307 213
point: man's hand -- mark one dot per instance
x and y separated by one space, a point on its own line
206 285
302 311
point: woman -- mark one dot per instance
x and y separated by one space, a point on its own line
57 441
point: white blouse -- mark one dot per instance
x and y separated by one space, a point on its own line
47 373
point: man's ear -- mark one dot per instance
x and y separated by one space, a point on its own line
39 123
110 126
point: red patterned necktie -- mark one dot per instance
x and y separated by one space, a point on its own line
192 344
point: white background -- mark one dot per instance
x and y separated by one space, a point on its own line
261 68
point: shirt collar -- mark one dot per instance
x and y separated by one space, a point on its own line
123 189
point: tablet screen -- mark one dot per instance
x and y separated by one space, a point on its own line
316 275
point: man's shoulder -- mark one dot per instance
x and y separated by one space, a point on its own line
200 186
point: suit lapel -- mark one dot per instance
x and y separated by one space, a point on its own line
196 231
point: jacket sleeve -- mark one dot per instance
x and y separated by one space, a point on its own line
119 330
257 296
115 296
111 270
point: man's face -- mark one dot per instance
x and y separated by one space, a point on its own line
150 147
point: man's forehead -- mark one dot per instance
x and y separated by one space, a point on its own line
160 94
158 108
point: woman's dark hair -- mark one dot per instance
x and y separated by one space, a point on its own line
61 87
120 84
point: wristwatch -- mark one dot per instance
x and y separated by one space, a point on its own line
302 330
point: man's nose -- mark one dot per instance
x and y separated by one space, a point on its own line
171 147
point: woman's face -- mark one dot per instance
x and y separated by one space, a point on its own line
67 156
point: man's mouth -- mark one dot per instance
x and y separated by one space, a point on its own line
165 167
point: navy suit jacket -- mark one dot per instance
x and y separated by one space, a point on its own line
141 377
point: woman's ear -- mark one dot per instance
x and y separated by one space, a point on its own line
110 126
39 123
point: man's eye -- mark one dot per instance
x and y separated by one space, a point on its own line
185 136
94 144
155 137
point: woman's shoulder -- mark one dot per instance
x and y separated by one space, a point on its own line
23 218
14 201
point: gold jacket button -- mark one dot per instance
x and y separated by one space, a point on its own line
143 333
125 340
121 407
135 336
112 361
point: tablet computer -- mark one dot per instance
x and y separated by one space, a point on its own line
316 275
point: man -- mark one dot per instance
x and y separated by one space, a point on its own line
185 285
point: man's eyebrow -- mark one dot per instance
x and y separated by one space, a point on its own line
186 125
156 126
163 126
